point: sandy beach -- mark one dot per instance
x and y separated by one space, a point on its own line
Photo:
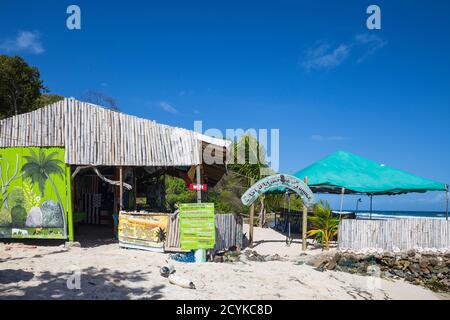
110 272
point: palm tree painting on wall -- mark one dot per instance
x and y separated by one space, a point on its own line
32 192
38 169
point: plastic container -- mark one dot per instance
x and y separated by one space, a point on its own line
200 255
167 270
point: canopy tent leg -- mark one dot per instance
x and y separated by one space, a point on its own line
446 202
342 202
371 206
305 220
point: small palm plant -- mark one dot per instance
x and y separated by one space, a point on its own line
161 235
39 168
324 225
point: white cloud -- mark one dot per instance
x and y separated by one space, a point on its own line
371 42
324 56
168 107
25 41
318 137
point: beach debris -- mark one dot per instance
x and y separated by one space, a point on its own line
167 270
252 255
188 257
226 256
319 260
181 282
72 244
10 246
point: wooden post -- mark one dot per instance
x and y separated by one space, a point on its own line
135 188
304 222
70 195
250 231
121 188
198 174
371 206
252 215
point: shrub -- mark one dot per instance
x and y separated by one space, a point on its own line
5 217
16 197
19 216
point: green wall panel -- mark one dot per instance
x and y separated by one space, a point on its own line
35 193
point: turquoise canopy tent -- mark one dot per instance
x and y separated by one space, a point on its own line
347 173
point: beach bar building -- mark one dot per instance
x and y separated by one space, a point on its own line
73 161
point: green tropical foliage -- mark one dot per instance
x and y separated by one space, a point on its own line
249 163
40 166
32 199
177 192
248 160
21 87
5 217
225 195
324 227
45 99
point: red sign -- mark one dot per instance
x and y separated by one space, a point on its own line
201 187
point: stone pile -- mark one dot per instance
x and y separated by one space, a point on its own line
247 255
426 268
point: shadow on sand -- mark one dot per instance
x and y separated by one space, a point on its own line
94 284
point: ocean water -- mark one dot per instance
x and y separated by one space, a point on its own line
376 214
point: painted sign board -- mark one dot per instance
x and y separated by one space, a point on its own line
144 231
35 193
281 182
197 227
202 187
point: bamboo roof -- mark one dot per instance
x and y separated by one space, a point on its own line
93 135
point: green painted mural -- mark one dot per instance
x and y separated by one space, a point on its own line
35 193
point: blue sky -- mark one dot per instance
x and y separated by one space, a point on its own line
311 69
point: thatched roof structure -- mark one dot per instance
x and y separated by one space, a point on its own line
93 135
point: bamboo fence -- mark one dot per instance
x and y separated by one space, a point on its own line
390 234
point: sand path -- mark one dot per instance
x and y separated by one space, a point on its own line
109 272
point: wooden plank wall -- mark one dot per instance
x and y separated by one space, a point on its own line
93 135
403 234
228 232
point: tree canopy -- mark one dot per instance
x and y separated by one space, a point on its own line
21 87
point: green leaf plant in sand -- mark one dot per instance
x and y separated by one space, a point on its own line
39 168
324 227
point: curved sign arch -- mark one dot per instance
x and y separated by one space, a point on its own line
279 181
